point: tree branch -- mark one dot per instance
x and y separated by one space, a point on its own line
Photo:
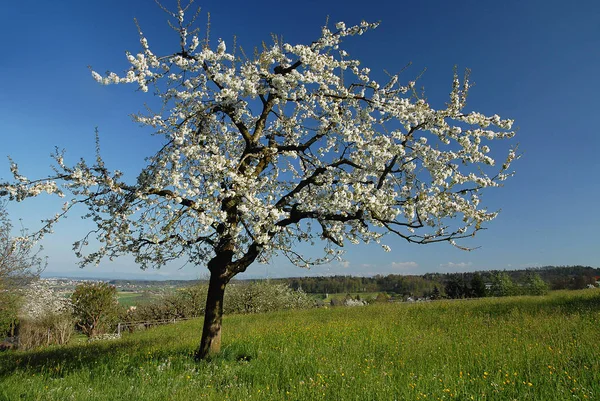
312 180
386 171
166 193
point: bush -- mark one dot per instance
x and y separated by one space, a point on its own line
185 303
95 307
382 297
53 329
502 285
534 285
262 296
9 311
336 302
189 302
45 317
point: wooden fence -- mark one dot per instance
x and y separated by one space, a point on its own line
145 324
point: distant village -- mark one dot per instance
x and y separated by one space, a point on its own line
66 286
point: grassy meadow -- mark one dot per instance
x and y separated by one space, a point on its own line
519 348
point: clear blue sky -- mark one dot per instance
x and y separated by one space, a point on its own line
537 62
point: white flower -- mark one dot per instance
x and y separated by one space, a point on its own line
221 48
267 159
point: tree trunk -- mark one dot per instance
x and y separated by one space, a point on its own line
213 316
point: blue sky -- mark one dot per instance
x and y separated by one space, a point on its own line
534 61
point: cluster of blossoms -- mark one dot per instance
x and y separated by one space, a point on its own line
41 301
299 143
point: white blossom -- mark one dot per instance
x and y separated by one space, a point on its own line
297 144
40 301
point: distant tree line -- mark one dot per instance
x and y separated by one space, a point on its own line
534 281
497 284
461 285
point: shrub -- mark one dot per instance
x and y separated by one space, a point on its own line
9 311
44 317
534 285
185 303
262 296
95 307
502 285
336 302
56 328
382 297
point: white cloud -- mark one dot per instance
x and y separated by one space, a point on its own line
404 265
456 266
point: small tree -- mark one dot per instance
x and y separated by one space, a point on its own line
95 307
534 284
478 289
298 143
19 265
502 285
435 294
456 287
45 316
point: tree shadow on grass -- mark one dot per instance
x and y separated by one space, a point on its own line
60 361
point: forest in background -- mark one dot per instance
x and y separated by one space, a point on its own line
449 285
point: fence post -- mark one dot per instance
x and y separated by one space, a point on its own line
119 329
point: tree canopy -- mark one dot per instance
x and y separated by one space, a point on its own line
297 143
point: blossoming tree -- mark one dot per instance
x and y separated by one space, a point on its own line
20 264
295 144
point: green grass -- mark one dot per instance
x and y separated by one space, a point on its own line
128 299
522 348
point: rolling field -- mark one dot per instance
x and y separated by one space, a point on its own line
521 348
128 299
